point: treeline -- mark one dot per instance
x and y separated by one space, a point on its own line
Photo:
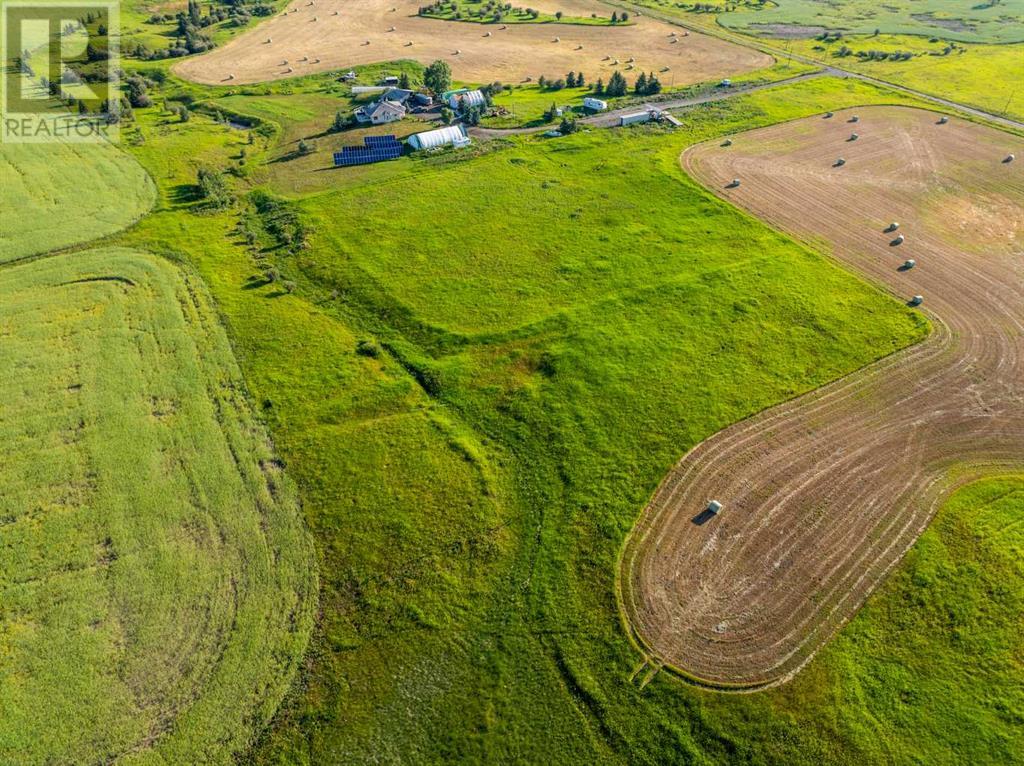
495 11
618 85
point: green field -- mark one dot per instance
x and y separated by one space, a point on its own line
974 73
157 582
984 76
66 193
475 366
989 21
470 481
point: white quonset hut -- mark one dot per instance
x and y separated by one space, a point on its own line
466 100
453 135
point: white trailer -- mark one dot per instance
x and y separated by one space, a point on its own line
595 104
635 118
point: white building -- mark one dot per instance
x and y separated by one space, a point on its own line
453 135
467 100
594 103
636 117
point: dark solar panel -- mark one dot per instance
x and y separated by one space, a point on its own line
374 149
380 140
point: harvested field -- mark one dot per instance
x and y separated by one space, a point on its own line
333 34
824 494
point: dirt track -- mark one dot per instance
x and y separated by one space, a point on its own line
509 55
823 495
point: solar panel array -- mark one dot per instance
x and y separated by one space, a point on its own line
374 149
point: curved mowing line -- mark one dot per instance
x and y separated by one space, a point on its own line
824 494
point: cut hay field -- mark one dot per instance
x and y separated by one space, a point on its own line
65 194
157 581
824 494
334 34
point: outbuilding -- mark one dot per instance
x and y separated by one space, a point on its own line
467 99
714 506
635 118
453 135
594 104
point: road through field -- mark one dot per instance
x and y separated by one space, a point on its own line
823 495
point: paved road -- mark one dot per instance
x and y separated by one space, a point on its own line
611 118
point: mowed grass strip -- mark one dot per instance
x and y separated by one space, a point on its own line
156 581
55 195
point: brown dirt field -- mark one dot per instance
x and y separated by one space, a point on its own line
823 495
510 55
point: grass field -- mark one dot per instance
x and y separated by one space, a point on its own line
470 485
985 76
157 582
991 22
973 73
66 193
470 459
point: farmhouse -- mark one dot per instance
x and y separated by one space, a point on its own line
380 112
454 135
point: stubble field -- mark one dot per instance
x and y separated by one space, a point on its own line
824 494
332 34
